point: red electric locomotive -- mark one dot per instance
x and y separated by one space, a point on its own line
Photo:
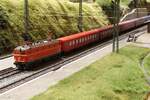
27 55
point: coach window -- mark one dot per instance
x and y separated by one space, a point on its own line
76 41
104 34
67 44
95 35
82 39
73 42
91 36
79 40
70 43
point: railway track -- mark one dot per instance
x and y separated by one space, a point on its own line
9 73
5 71
15 79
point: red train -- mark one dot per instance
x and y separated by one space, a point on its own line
27 55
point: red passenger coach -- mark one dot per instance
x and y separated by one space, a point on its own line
28 54
72 42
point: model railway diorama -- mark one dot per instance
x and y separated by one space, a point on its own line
27 55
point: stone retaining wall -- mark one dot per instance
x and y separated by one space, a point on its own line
135 13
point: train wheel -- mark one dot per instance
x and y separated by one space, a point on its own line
20 67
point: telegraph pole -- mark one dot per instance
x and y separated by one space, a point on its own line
25 35
116 26
114 34
117 23
80 24
26 16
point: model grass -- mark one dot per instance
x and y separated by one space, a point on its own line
114 77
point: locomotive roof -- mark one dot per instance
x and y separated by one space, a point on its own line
81 34
36 44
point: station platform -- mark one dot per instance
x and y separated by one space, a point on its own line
143 40
6 63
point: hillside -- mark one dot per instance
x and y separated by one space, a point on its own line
58 17
54 16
